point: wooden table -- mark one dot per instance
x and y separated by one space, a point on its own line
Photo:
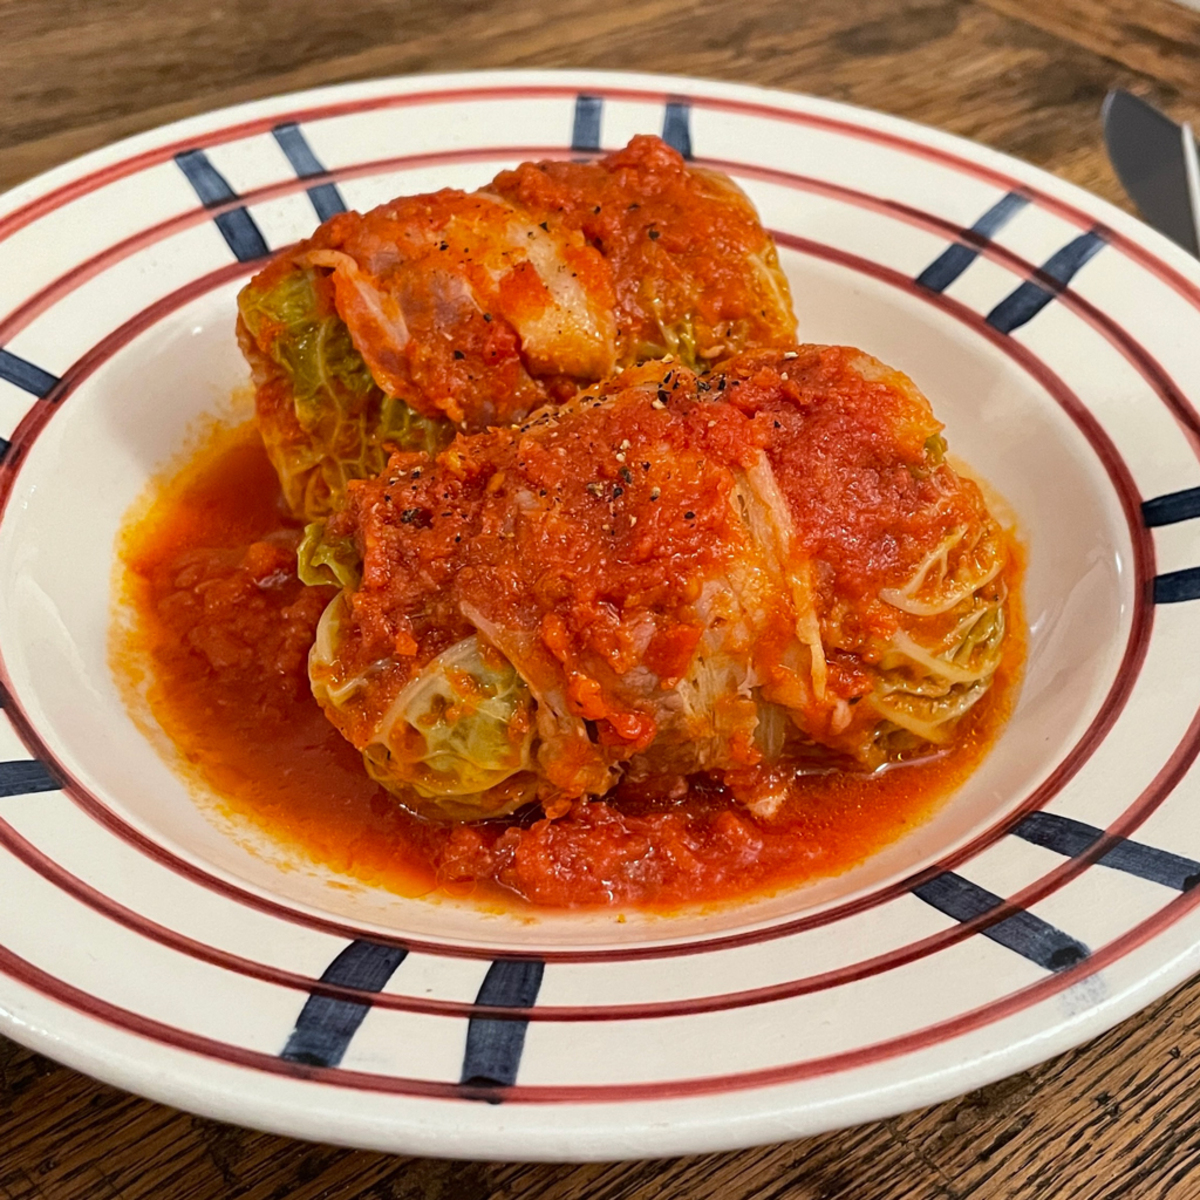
1116 1118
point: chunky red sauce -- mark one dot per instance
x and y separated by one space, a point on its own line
224 627
582 544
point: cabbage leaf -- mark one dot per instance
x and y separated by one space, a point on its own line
344 425
324 560
456 743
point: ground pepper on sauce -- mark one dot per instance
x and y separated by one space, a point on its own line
222 626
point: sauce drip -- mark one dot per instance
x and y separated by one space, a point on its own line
221 626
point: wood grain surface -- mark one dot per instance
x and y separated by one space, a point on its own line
1119 1117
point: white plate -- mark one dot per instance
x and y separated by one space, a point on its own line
142 942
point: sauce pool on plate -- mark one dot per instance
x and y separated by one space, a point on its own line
217 644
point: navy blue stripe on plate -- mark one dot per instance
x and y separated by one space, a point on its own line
1171 508
494 1047
26 776
585 133
1174 587
237 226
327 1025
1065 835
1027 935
1023 304
954 260
25 375
326 199
677 126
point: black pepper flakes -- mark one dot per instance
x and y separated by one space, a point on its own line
689 515
543 225
459 355
626 474
618 492
653 235
663 395
487 316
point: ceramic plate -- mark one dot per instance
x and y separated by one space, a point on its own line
153 946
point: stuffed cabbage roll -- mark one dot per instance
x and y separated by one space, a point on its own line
452 311
742 573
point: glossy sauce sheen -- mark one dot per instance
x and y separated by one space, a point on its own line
224 626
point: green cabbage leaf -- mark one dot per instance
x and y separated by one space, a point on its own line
325 560
457 742
345 426
462 726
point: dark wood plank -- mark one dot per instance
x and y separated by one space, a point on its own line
150 1152
951 63
1160 41
1118 1117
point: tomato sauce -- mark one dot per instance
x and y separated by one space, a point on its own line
221 627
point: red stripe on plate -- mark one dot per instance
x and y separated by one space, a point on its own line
101 1010
676 89
1123 827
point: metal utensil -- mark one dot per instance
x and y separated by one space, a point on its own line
1157 162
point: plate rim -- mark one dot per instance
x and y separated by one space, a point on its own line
219 1102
